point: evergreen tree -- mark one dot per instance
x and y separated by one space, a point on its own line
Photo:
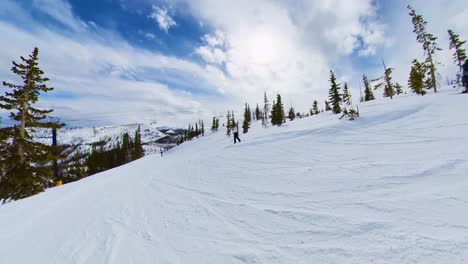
386 82
429 44
277 114
327 106
138 151
368 94
266 110
398 88
213 126
416 79
334 94
315 108
346 95
459 55
246 122
291 114
228 124
258 113
126 151
27 163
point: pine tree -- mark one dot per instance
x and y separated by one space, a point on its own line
291 114
315 108
346 95
258 113
266 110
126 151
369 95
459 55
28 163
334 94
416 79
228 123
327 106
214 127
138 151
246 122
398 88
429 44
277 114
386 82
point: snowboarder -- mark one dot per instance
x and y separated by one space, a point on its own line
236 133
465 76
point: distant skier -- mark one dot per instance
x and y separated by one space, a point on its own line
236 133
465 76
162 152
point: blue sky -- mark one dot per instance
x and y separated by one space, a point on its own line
176 61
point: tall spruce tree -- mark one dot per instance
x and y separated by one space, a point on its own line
277 114
266 110
291 114
138 151
334 94
213 125
368 94
416 78
459 53
246 122
28 163
258 113
429 44
315 108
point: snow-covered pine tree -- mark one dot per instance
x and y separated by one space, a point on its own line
27 163
315 108
291 114
266 110
416 78
459 54
334 94
429 44
246 122
368 94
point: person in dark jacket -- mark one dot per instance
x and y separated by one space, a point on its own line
465 76
236 133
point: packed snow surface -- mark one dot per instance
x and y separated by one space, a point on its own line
389 187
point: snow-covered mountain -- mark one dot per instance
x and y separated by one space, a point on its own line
389 187
82 139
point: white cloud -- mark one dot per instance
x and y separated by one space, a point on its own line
60 11
162 17
285 46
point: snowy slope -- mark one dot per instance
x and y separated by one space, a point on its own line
390 187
